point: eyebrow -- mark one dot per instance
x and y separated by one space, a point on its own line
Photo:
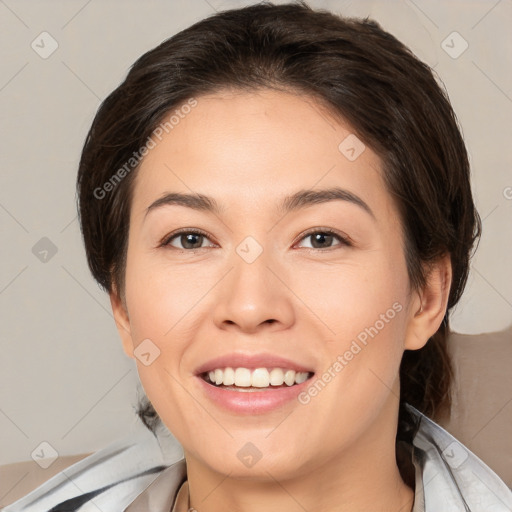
297 201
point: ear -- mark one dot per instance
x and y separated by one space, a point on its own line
429 305
122 322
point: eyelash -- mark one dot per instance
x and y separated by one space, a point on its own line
345 241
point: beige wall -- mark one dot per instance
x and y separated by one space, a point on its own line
64 377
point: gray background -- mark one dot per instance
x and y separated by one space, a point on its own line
64 376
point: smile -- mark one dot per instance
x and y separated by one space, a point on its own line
245 379
253 392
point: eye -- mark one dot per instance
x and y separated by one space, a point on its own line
323 238
189 238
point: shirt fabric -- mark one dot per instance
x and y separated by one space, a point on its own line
147 473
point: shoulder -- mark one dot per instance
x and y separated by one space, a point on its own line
20 478
114 476
447 472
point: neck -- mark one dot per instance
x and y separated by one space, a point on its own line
363 477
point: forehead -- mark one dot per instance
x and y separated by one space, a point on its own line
250 149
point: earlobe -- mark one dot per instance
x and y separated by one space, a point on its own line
429 306
122 322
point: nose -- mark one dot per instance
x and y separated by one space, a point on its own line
254 296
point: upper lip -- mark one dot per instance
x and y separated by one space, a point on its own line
251 361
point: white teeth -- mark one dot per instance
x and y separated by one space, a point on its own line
258 378
301 377
276 377
242 377
229 377
289 378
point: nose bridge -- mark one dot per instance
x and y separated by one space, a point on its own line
252 294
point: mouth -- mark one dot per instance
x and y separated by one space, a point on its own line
249 384
253 380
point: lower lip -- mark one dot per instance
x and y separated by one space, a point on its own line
252 402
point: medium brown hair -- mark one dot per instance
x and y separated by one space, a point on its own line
366 77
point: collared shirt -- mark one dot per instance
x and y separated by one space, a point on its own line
146 472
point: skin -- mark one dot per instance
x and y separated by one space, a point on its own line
248 151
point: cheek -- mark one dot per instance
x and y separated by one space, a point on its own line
357 299
362 359
156 303
158 298
164 304
365 309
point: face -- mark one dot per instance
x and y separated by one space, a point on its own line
262 282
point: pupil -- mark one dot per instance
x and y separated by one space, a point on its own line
322 236
187 238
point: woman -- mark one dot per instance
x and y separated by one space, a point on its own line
277 201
